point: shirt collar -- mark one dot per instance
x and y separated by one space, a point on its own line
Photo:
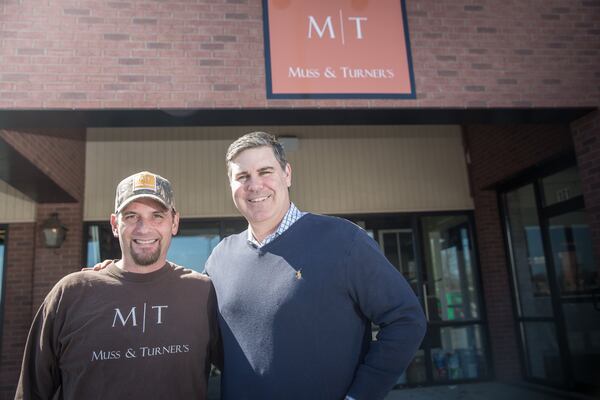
292 215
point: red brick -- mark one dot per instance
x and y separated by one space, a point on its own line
31 270
586 134
59 153
497 153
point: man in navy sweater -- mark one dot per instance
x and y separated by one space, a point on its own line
297 294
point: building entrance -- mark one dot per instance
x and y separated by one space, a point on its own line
3 233
556 280
435 254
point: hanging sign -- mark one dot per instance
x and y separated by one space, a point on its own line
337 49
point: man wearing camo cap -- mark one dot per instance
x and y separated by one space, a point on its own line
140 328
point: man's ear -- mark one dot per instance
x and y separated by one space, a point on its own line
175 227
288 174
114 225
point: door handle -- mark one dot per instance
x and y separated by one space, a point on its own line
426 301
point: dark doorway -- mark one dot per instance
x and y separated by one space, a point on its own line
556 279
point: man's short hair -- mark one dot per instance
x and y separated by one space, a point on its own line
253 140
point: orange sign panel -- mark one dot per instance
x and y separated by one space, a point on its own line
337 49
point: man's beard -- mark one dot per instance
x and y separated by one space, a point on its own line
145 258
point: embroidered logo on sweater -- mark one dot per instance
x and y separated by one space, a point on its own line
299 274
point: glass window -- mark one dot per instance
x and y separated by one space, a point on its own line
192 246
561 186
542 352
101 244
457 352
415 373
398 247
452 293
578 280
582 323
550 234
2 246
527 252
232 227
572 251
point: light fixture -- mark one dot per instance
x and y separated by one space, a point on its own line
53 232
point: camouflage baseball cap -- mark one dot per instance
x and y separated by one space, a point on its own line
144 184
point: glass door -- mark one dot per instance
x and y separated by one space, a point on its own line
536 318
2 246
556 281
455 339
3 233
578 284
398 245
437 259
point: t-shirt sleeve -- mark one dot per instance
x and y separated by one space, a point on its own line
40 377
384 297
216 344
208 265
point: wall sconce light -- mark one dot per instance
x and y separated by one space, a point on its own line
53 232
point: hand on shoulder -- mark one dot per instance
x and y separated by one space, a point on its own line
98 267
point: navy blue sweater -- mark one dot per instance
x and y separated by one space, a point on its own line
295 315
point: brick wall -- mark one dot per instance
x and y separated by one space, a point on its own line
53 264
496 153
17 314
59 153
586 136
31 270
204 54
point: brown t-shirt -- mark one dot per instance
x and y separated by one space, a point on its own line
120 335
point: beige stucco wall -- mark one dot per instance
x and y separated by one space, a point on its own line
336 169
14 205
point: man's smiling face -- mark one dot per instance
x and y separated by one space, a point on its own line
259 187
144 228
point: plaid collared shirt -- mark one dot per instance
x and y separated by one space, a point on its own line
292 215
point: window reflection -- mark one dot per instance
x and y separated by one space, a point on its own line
398 247
192 246
415 372
458 353
578 281
527 253
573 254
451 289
543 356
101 244
2 245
